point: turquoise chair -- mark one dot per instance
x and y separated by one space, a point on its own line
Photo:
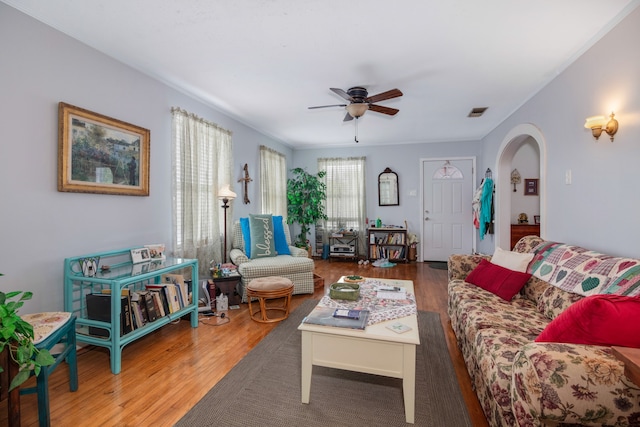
51 329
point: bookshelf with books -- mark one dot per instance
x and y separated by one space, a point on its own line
389 242
152 294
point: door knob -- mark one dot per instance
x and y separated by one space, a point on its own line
426 218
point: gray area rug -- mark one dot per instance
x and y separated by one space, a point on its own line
263 389
438 265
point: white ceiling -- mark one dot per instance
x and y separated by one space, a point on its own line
264 62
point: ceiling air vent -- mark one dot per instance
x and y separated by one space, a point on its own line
477 112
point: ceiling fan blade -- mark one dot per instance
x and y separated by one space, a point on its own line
393 93
384 110
347 117
325 106
342 93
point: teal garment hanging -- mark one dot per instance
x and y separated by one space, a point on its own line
486 202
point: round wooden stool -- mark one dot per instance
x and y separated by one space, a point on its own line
266 288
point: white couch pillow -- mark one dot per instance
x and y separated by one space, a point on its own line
515 261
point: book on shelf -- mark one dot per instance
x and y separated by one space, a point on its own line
324 316
99 308
165 296
177 280
149 306
170 293
138 318
127 315
157 301
143 308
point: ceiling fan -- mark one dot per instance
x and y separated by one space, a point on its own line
360 102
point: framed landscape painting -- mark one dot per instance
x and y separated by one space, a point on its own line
99 154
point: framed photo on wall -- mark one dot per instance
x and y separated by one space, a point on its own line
99 154
530 187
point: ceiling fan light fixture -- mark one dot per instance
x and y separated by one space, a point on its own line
357 109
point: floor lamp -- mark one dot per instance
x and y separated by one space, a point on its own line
225 194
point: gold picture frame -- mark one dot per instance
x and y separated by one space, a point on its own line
100 154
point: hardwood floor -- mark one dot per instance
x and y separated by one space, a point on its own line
167 372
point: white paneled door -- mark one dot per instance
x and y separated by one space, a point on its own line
447 193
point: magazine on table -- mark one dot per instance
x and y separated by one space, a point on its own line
324 316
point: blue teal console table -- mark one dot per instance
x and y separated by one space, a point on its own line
121 275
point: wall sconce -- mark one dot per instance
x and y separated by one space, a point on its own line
597 124
515 178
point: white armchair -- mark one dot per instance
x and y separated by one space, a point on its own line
297 267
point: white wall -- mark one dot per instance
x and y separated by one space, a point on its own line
403 159
527 161
40 226
599 210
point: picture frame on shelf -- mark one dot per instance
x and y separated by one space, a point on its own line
100 154
89 266
139 255
536 219
530 187
156 251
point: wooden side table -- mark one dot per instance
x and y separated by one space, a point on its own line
631 359
229 286
518 231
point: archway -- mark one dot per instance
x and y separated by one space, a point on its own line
507 150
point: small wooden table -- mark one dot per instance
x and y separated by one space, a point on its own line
631 359
227 285
376 350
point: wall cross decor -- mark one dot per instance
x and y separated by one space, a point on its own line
247 179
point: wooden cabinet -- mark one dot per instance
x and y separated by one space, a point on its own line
228 285
390 243
518 231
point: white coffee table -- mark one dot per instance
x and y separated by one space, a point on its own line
376 350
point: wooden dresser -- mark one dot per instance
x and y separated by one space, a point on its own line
518 231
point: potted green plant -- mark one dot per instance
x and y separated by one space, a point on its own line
306 194
16 337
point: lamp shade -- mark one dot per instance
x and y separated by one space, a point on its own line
226 193
594 122
357 110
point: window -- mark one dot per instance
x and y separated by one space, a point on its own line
346 194
447 171
202 163
273 181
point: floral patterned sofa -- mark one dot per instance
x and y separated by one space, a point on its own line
521 382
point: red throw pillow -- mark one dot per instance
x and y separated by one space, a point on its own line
498 280
597 320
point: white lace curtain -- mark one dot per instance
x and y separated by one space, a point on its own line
346 204
273 181
202 162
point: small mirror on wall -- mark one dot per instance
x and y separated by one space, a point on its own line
388 188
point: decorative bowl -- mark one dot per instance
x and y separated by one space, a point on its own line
354 279
345 291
